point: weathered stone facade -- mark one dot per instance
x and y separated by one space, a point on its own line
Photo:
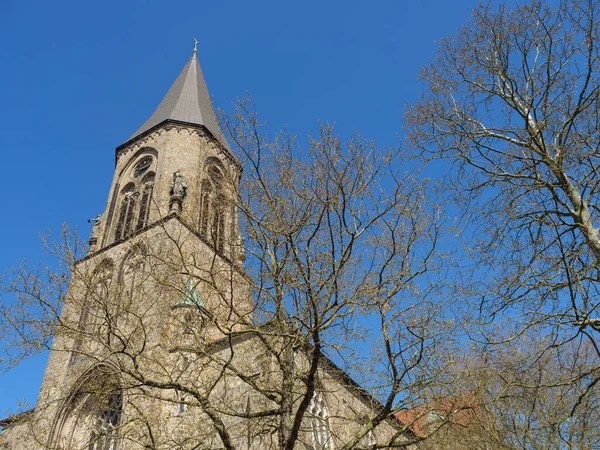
161 304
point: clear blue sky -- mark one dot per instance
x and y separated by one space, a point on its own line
77 78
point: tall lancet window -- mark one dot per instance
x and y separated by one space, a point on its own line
126 212
96 303
129 216
205 208
131 278
218 231
319 417
213 207
146 188
135 199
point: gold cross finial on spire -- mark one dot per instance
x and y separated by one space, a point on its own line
195 44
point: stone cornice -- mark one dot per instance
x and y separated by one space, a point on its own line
171 124
239 269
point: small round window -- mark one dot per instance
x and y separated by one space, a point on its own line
142 166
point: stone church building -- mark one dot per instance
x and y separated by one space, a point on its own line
157 345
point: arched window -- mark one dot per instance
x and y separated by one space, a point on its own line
218 230
95 304
319 416
131 276
135 199
126 211
91 417
205 208
213 207
146 189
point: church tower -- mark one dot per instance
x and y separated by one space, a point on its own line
179 155
163 270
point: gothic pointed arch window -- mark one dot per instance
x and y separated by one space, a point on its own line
146 188
213 207
134 200
205 194
126 212
91 416
96 304
131 276
218 228
319 417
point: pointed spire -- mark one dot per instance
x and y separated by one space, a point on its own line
186 101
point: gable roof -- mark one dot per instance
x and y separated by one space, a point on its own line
187 101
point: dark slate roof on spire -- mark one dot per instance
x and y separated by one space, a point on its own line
187 101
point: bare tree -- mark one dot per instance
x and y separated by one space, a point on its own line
517 396
512 102
191 348
530 394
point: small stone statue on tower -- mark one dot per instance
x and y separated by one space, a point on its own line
179 188
95 230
